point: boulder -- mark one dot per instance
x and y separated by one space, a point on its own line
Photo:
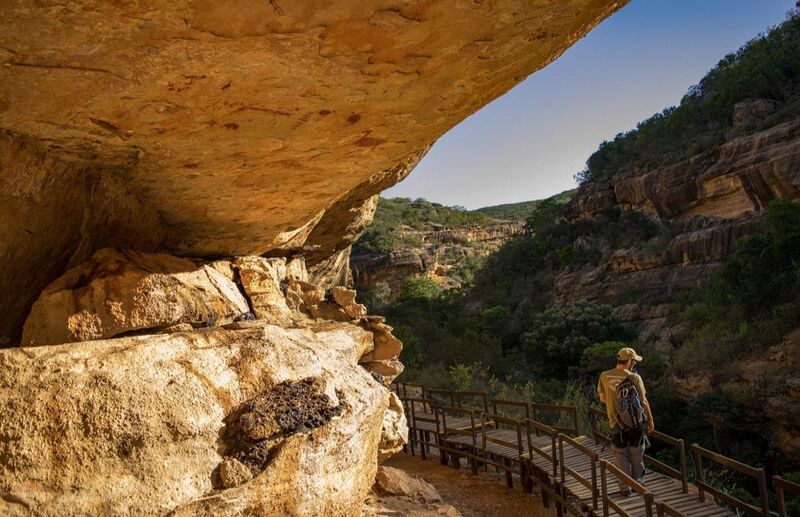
118 292
392 481
152 424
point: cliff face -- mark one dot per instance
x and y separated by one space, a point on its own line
442 251
206 128
716 198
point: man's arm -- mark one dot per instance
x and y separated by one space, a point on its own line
651 425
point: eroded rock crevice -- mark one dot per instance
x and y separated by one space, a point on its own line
255 429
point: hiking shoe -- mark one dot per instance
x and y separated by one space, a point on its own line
625 492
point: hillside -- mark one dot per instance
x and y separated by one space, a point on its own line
520 211
421 239
686 252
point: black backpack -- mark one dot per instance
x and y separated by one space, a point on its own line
630 412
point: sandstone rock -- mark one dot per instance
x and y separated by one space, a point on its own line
387 346
333 271
261 280
751 110
392 481
188 128
343 296
118 292
233 472
136 425
394 432
389 368
442 247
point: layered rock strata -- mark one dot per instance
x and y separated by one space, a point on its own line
443 250
218 128
718 196
276 406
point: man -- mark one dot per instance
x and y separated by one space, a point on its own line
627 442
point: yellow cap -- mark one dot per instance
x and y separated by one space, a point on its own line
628 353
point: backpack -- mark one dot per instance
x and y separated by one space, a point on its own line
630 412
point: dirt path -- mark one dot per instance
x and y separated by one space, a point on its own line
485 495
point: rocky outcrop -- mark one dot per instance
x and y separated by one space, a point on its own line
716 198
738 178
209 129
282 412
707 203
442 251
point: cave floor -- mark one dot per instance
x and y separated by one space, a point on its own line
474 496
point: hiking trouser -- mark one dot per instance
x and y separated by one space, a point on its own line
628 449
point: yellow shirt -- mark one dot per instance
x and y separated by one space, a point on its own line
607 386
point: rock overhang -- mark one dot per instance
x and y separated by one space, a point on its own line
235 127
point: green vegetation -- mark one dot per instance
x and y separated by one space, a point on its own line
768 67
403 213
753 302
507 334
521 211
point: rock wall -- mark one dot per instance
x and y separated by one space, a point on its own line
276 405
717 198
218 128
443 251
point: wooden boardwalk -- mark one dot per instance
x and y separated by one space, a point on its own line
538 444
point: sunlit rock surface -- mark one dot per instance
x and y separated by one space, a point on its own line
284 411
235 127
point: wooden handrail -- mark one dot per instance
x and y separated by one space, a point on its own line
597 415
665 510
443 410
487 418
681 473
500 403
628 482
481 395
569 411
784 485
698 453
441 397
565 469
539 427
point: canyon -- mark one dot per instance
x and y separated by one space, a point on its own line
180 185
440 255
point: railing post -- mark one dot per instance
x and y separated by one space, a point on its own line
648 505
762 489
594 481
604 488
698 471
779 497
684 473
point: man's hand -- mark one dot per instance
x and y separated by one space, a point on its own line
651 426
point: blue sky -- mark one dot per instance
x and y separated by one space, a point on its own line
530 142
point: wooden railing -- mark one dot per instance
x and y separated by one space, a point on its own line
544 478
568 415
472 399
598 419
502 460
681 473
509 407
665 510
565 469
447 443
699 453
781 486
627 481
545 462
